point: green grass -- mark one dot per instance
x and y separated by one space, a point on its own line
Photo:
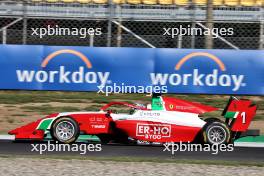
10 120
21 97
93 107
258 117
47 109
19 115
10 106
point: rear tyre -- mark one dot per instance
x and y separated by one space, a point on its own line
65 130
216 132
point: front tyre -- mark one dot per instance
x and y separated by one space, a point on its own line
216 132
65 130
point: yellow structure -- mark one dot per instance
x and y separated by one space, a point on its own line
150 2
181 2
218 2
232 2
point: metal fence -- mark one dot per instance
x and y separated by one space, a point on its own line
126 25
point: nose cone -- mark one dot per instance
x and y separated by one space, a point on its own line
13 132
25 129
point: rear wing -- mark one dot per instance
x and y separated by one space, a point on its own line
239 113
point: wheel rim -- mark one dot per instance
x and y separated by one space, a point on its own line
216 134
65 130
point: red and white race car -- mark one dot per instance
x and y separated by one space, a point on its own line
166 119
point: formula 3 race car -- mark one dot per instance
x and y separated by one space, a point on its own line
166 119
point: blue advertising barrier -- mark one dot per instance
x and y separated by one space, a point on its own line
30 67
211 71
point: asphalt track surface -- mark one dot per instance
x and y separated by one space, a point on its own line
116 150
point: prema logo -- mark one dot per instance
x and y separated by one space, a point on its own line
153 131
196 78
61 75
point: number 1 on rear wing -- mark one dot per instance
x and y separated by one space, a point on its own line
239 114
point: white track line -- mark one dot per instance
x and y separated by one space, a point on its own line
249 144
7 137
12 137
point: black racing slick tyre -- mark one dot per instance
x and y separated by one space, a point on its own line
65 130
216 132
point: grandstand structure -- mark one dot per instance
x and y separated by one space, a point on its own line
133 23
